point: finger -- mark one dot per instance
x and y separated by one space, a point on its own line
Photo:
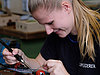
51 69
10 62
45 67
50 63
53 61
9 58
15 51
6 52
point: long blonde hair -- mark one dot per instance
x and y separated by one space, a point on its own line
88 27
85 21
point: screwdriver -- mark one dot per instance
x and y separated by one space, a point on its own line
19 58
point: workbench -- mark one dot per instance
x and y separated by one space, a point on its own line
11 31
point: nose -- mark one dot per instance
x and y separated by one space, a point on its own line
49 30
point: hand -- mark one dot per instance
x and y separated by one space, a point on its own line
9 57
55 67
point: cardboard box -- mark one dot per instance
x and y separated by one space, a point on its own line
26 26
5 19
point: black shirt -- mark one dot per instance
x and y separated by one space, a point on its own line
67 50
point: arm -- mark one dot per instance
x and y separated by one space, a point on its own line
35 63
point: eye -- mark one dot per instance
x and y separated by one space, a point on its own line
50 23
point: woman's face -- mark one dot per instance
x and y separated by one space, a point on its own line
59 21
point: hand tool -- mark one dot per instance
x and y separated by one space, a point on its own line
19 58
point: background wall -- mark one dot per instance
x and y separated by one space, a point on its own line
16 6
32 47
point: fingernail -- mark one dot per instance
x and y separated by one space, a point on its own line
45 67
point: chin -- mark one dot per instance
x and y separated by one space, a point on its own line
62 36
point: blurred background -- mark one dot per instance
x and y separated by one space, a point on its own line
17 23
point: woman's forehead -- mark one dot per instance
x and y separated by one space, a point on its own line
42 15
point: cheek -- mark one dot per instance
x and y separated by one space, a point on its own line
63 21
68 22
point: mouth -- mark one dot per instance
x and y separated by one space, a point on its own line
57 30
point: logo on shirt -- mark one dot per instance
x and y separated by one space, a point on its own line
84 65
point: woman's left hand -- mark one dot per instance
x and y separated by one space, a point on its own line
55 67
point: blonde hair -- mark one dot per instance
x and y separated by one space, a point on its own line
88 27
47 4
85 21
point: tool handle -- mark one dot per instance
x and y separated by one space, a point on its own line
4 44
19 58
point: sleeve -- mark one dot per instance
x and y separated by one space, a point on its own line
48 50
1 50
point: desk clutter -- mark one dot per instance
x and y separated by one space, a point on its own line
27 26
23 24
20 26
5 19
19 69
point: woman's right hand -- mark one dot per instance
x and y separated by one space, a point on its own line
9 57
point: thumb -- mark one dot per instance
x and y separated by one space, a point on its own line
15 51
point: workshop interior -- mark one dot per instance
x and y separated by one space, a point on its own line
18 29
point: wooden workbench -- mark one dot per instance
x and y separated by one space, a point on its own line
11 31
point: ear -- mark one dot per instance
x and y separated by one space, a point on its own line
67 6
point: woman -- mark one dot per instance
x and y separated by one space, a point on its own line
73 42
